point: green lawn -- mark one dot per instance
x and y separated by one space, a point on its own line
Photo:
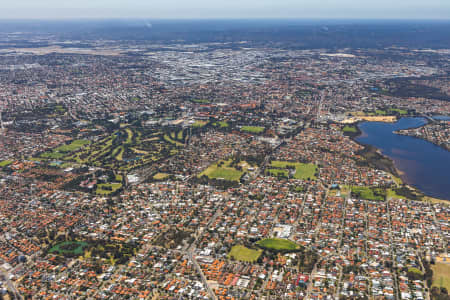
252 129
5 163
124 149
441 275
59 109
391 193
388 111
61 151
69 247
221 124
201 101
416 271
103 188
397 180
349 129
160 176
52 155
66 165
369 193
180 135
299 189
168 139
305 171
399 111
223 172
74 145
278 244
242 253
199 124
119 151
129 135
281 164
302 171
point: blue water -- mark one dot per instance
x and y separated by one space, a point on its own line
442 118
423 164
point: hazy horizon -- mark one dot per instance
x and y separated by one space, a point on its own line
232 9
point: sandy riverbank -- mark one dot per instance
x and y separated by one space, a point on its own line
386 119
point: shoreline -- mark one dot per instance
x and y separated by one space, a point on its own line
385 163
420 138
391 168
382 119
379 161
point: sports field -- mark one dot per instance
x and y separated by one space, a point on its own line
223 170
369 193
302 171
242 253
108 188
160 176
278 244
252 129
441 275
69 247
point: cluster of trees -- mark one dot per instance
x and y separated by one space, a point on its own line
408 193
439 293
172 238
409 87
218 183
373 159
428 275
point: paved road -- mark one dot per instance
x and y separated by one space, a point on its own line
7 275
310 284
211 293
11 286
390 247
189 252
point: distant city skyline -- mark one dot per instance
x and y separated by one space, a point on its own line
206 9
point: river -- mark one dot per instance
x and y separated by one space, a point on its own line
423 164
441 118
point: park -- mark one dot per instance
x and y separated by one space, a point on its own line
277 244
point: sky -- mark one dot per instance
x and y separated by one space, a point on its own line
210 9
